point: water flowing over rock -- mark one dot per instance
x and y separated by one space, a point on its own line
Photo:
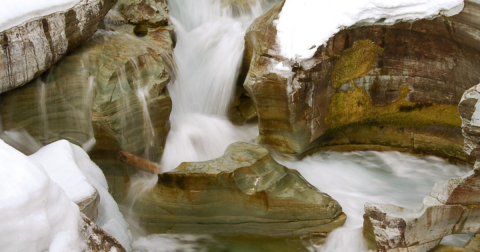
370 87
107 95
243 192
451 208
112 89
29 49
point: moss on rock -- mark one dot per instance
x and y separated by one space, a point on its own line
355 62
356 107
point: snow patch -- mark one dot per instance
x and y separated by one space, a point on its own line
70 166
303 25
35 213
13 13
58 161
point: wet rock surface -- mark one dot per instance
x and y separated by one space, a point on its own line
29 49
107 95
380 86
243 192
451 208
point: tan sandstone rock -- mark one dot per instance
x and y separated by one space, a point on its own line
243 192
29 49
107 95
379 86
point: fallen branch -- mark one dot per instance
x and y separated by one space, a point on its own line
138 162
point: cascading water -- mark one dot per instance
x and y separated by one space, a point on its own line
208 55
356 178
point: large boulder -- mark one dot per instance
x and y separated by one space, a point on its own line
29 49
107 95
243 192
369 87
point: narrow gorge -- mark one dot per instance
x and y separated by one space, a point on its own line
240 125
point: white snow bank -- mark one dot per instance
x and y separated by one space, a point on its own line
58 160
71 166
303 25
15 12
35 213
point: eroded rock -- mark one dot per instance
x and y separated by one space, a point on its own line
29 49
112 89
378 86
453 206
107 95
243 192
97 240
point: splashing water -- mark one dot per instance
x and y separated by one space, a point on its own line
208 55
356 178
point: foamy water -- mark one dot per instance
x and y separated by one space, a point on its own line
208 55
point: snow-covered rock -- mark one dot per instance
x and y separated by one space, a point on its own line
69 166
54 28
368 86
37 211
299 18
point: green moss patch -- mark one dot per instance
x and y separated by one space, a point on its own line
355 62
356 107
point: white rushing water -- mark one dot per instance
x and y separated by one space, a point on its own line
356 178
208 55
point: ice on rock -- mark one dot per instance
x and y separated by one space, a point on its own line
35 213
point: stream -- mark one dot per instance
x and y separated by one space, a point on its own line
208 54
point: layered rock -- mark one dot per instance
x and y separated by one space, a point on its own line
371 87
112 88
453 206
107 95
97 240
243 192
29 49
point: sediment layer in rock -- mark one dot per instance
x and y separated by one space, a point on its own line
388 86
243 192
29 49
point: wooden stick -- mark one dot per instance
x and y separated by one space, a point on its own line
138 162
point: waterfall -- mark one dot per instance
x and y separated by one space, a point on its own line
208 55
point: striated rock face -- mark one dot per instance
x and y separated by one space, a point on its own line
107 95
243 192
112 88
471 120
29 49
97 240
453 206
372 87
